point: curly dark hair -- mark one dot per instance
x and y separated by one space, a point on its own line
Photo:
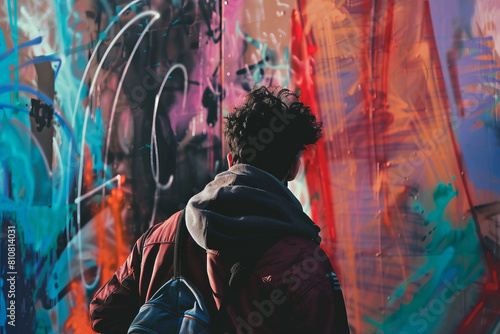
270 129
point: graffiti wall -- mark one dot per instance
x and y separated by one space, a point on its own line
111 116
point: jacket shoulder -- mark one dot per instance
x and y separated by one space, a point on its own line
163 232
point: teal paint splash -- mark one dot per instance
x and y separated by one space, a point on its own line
454 260
13 24
247 37
4 70
14 152
94 138
268 56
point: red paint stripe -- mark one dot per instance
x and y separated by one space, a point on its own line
471 316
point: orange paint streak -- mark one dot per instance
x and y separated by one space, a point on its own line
381 104
88 171
78 321
105 256
109 257
115 202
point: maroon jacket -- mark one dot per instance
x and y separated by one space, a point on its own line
290 288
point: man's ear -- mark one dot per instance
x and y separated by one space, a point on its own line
230 159
294 169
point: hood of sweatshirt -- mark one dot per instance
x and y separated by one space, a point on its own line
244 210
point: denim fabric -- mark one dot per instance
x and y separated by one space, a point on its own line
177 307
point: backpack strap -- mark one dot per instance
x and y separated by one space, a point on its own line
180 244
180 247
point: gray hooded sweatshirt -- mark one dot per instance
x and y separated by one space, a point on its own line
243 211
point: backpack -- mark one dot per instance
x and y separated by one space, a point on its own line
178 306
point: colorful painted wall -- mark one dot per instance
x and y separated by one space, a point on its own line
110 119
